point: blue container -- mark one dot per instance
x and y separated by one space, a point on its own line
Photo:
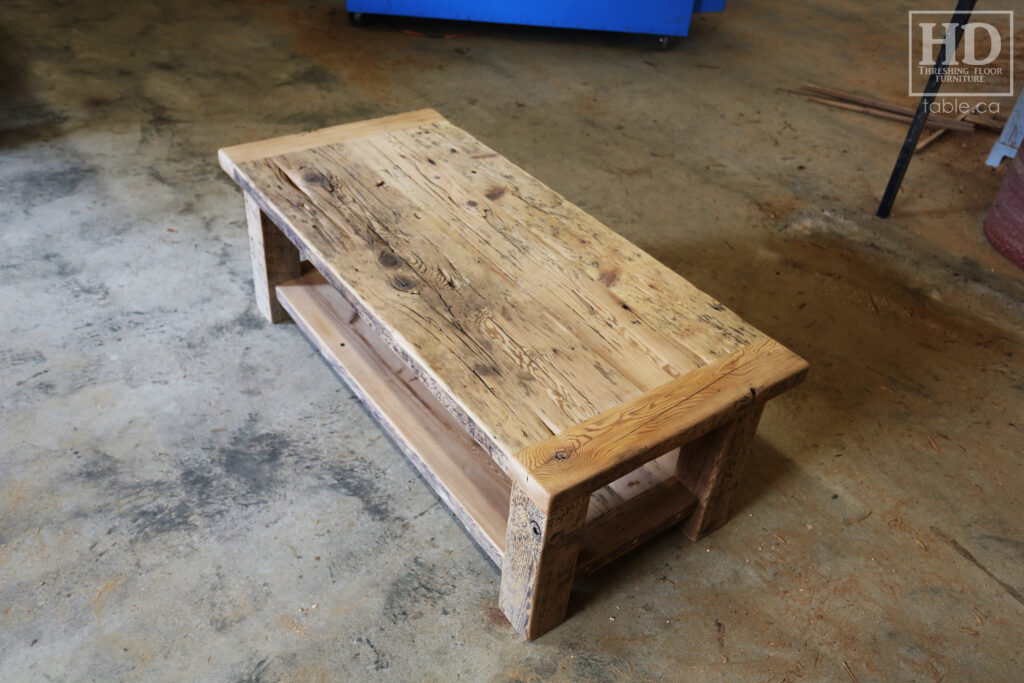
657 17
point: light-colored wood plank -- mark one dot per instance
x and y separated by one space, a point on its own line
601 502
604 448
477 300
461 473
643 478
632 523
632 484
274 260
698 328
540 562
711 467
230 157
487 213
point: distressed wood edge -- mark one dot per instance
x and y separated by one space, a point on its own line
537 572
231 156
456 407
546 478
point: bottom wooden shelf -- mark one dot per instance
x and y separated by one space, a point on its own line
620 516
458 469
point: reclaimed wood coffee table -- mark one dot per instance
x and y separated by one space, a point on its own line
564 393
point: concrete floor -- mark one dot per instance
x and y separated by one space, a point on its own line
187 493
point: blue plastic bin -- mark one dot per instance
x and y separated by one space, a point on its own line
656 17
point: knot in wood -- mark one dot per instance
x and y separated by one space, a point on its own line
561 455
402 283
535 528
313 177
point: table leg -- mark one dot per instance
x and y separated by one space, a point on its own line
540 562
711 466
274 260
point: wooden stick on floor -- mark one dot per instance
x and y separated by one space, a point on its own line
933 122
939 133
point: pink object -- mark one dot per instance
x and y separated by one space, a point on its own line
1004 224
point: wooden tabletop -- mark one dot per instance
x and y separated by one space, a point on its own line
524 315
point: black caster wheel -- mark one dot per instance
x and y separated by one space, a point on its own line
358 19
664 42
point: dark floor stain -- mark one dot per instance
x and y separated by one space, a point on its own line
38 187
421 586
598 668
252 459
969 556
354 478
95 102
29 122
45 388
149 506
257 674
314 75
381 660
199 487
68 274
14 358
249 320
1011 545
241 473
159 519
100 467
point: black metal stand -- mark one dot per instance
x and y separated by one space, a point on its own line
961 16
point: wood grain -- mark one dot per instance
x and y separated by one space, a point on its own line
540 562
604 448
523 315
711 467
229 157
458 470
274 260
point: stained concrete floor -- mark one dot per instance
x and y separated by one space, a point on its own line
187 493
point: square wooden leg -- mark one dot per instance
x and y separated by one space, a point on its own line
540 562
274 260
711 466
